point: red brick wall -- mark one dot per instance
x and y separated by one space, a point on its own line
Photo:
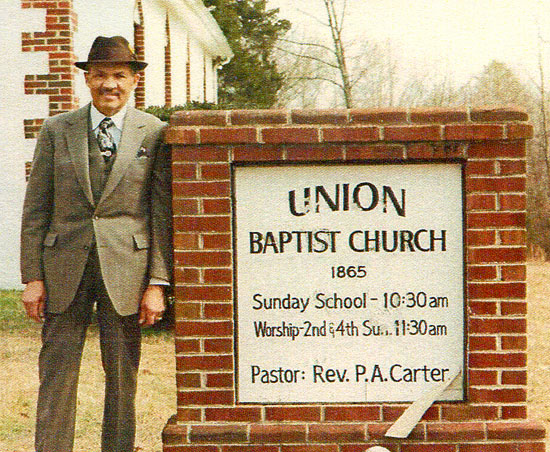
492 144
168 66
139 49
188 71
57 40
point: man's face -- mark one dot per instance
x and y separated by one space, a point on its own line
110 85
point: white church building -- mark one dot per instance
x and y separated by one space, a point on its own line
41 39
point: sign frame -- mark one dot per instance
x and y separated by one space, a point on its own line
324 163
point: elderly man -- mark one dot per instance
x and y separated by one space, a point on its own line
96 234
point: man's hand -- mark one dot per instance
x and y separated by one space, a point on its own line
34 300
152 305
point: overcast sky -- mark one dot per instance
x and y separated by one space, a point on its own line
461 36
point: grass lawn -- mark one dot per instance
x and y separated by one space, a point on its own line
12 316
156 400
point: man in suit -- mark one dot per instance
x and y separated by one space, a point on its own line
96 235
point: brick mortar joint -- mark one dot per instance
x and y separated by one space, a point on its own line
487 428
383 132
410 116
347 125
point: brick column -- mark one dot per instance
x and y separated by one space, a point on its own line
490 142
204 79
139 48
168 66
58 41
188 71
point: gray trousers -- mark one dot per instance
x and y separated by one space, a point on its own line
63 337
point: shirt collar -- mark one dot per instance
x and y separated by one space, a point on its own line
96 117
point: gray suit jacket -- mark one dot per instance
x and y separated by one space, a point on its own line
131 223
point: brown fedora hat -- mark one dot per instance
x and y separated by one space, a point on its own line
115 49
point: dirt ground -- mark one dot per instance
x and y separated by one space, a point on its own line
538 296
156 399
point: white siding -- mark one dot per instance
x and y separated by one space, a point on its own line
14 108
210 94
178 45
196 71
155 40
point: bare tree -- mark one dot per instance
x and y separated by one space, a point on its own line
312 74
543 109
336 26
331 59
374 75
304 70
497 84
361 72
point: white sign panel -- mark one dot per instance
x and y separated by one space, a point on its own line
349 282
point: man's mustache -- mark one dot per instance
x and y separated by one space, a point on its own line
109 91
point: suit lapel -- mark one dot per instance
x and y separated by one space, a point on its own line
132 136
77 143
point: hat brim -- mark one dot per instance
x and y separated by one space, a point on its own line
137 65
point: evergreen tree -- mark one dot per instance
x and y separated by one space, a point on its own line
251 79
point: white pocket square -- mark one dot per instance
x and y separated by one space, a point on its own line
143 153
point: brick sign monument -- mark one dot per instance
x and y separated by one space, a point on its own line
335 267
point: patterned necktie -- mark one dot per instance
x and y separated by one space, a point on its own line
105 139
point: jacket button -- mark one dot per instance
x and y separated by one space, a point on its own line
96 217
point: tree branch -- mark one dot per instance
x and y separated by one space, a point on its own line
307 44
309 57
304 77
313 17
359 76
545 141
343 16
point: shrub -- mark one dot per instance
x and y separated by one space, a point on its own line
164 113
